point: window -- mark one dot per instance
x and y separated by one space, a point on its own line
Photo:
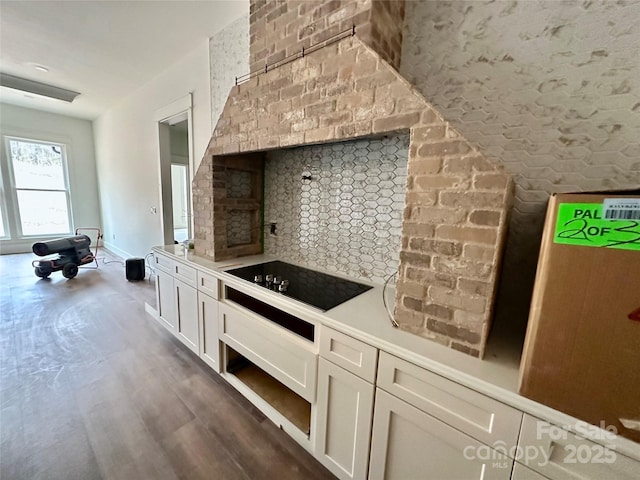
37 188
2 229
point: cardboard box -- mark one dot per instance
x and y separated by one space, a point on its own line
582 350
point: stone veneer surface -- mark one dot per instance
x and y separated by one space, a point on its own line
456 201
228 59
348 217
549 89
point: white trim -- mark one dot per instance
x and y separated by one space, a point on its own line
174 108
165 115
119 252
192 169
10 246
4 221
13 222
151 311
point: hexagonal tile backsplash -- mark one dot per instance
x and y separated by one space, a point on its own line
347 217
238 227
238 183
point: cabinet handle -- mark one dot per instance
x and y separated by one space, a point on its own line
178 307
204 330
159 296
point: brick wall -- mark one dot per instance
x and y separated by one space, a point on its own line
456 201
280 28
215 206
386 29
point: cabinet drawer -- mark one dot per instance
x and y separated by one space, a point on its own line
278 352
351 354
479 416
176 269
185 273
163 262
208 284
559 454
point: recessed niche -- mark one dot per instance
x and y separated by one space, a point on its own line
239 183
239 227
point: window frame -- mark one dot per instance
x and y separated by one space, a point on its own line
10 190
4 211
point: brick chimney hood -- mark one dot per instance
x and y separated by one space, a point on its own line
456 200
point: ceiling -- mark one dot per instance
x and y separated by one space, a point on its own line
103 49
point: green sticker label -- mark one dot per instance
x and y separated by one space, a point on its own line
582 224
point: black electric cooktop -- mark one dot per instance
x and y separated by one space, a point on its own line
317 289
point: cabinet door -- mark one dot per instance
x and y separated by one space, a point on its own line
345 408
187 314
559 454
410 444
166 300
209 343
483 418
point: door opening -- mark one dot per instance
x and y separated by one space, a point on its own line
176 174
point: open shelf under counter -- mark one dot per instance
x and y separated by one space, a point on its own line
292 406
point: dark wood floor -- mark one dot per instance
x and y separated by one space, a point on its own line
93 388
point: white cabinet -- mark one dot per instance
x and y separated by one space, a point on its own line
165 300
345 408
208 322
481 417
177 300
558 454
367 413
186 300
409 444
353 355
346 372
208 284
284 355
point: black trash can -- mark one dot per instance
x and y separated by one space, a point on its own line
135 269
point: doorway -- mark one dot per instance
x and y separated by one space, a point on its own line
176 175
180 196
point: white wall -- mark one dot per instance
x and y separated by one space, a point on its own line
179 140
78 136
127 152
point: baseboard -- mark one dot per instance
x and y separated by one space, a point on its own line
119 252
151 311
8 247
